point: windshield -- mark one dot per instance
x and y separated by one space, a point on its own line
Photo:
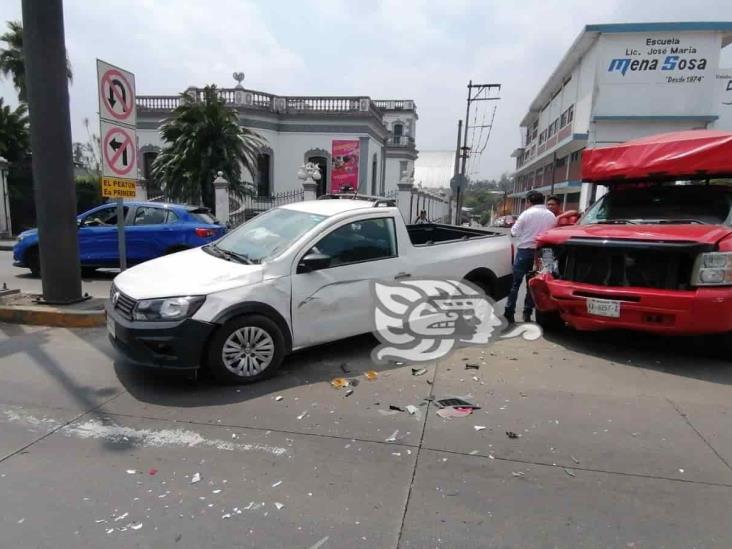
268 234
662 204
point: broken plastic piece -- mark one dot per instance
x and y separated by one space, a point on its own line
511 434
478 427
276 484
278 505
371 375
472 366
279 397
349 392
570 473
339 382
419 371
451 412
136 526
302 415
395 407
131 471
195 478
393 437
518 474
412 409
455 403
152 471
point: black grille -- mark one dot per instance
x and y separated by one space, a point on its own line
615 263
124 304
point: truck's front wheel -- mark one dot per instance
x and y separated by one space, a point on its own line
550 321
246 349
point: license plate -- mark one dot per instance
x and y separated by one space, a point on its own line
111 327
603 307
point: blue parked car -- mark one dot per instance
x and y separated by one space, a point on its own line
152 229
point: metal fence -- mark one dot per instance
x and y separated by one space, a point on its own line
243 209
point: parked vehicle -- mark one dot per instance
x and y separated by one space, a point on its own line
505 221
295 276
152 229
655 253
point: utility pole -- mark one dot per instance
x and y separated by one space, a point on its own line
456 171
44 52
465 150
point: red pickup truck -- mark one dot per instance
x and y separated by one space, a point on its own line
654 254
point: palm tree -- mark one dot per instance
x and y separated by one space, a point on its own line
12 63
14 142
202 137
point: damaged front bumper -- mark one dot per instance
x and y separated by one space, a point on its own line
673 312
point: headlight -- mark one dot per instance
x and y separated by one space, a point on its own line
170 308
712 269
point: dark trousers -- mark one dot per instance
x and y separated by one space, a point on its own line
523 264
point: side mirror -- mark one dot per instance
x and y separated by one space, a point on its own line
313 261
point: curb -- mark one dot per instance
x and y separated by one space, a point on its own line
42 316
6 247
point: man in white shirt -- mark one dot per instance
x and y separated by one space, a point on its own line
530 224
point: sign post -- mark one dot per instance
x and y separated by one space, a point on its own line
118 119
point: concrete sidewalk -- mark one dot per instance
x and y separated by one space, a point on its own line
621 444
7 245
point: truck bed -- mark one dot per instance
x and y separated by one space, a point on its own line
429 234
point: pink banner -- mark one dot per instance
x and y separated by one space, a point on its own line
344 174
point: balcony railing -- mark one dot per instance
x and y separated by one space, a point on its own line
400 141
250 99
395 104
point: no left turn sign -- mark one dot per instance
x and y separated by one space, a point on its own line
116 94
119 151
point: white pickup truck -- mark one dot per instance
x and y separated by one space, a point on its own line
295 276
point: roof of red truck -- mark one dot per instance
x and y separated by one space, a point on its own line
690 154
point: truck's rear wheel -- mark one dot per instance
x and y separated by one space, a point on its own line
246 349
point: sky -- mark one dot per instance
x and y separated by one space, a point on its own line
425 50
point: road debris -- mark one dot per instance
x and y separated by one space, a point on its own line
393 437
575 460
152 471
349 392
136 526
217 491
512 435
412 409
131 471
452 412
121 517
226 516
570 473
319 544
396 408
276 484
371 375
302 415
469 366
278 505
339 382
345 368
196 478
455 403
478 427
279 398
419 371
518 474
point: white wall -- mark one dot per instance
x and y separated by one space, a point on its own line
392 174
723 100
585 74
607 132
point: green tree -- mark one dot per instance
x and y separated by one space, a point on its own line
12 63
14 139
202 137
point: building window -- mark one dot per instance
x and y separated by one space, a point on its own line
563 120
147 164
397 131
373 175
263 179
403 166
570 114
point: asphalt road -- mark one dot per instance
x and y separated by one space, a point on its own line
21 279
624 441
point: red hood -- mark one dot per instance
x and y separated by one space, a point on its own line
705 234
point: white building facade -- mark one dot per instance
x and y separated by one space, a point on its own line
619 82
302 129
